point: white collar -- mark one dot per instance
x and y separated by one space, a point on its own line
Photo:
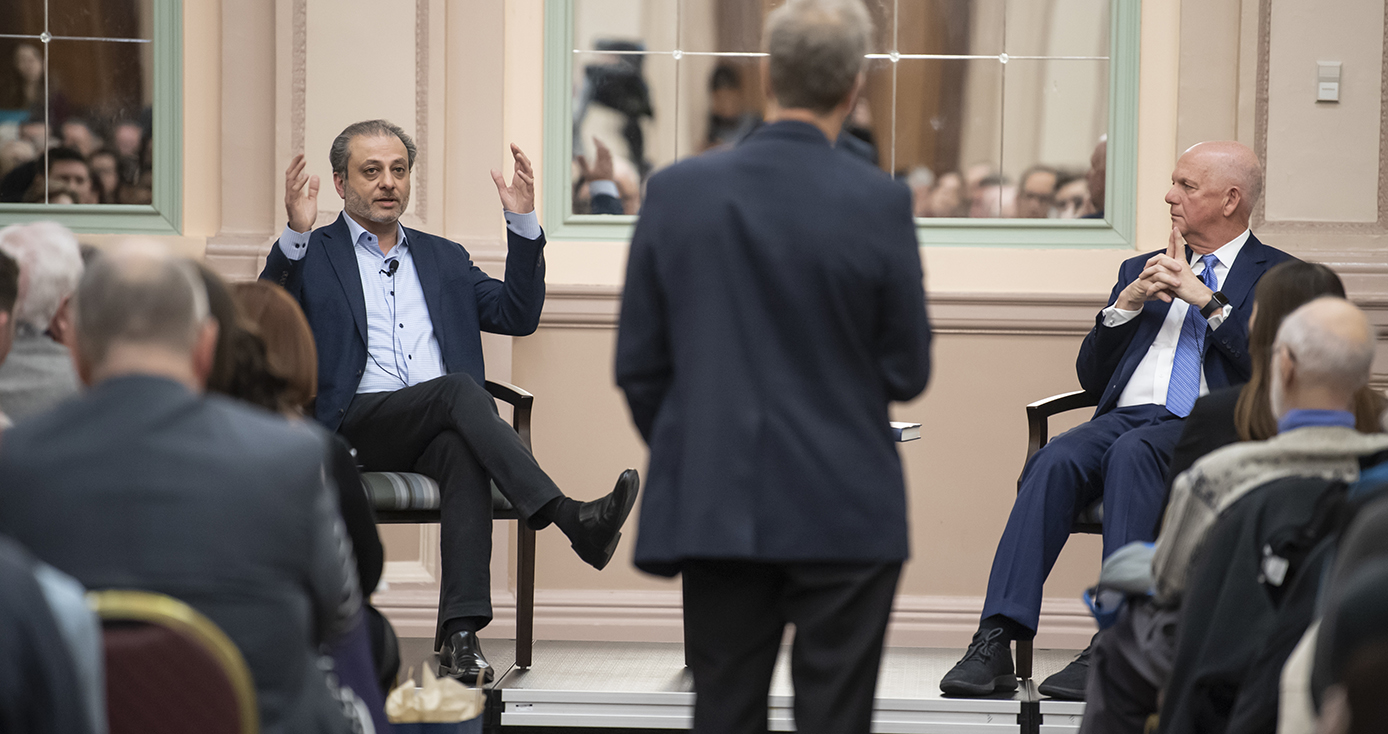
1228 252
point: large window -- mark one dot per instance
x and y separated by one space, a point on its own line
89 113
991 110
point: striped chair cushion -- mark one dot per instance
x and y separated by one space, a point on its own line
398 490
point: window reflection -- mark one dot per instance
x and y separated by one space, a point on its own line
985 108
76 101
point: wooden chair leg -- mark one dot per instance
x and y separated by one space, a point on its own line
1024 659
525 594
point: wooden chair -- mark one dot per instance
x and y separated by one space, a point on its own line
169 669
1089 519
404 497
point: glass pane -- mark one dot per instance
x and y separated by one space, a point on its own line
101 18
644 25
1057 27
1053 115
629 103
949 135
100 112
735 26
24 17
957 27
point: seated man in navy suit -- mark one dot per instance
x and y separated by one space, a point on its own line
1176 327
397 316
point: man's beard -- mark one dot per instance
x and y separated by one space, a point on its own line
361 208
1276 398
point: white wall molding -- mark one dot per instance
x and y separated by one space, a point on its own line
657 616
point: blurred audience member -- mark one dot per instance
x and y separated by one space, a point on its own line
78 135
22 87
41 685
993 197
39 372
947 198
105 167
1095 178
127 137
57 192
15 152
35 130
15 184
1071 197
1036 193
921 180
974 176
729 120
9 295
144 483
69 167
857 137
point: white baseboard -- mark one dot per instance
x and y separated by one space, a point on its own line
656 616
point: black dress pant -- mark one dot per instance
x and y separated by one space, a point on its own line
449 429
735 613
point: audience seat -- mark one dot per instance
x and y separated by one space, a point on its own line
170 670
1089 519
404 497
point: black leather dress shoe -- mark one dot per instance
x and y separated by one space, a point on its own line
461 657
600 521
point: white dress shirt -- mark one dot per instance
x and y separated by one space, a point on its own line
401 346
1152 377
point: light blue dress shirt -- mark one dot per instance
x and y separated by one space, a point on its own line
401 346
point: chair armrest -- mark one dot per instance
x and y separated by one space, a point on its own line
1039 413
521 402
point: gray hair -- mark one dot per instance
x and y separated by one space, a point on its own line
1331 342
817 49
50 264
338 154
138 295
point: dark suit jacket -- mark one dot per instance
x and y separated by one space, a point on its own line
463 301
141 484
1109 356
763 334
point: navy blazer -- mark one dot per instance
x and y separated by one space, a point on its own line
463 301
764 331
1109 356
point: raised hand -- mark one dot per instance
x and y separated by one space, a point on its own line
519 197
602 169
300 195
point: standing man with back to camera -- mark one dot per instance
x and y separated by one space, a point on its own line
763 335
397 316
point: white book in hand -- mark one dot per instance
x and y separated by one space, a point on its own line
906 431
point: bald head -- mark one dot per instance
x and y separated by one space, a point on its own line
138 299
1322 356
1213 190
1233 165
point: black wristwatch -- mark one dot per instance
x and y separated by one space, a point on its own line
1217 302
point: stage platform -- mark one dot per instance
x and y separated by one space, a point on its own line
644 686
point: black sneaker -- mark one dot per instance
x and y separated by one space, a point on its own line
986 667
1069 683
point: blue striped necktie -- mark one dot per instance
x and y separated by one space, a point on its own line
1190 352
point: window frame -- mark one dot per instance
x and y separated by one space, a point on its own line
1116 230
164 216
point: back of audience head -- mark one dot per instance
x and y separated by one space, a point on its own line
1282 290
50 264
1357 659
139 310
1321 357
238 366
291 356
816 52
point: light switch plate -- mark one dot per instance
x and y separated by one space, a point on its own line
1327 81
